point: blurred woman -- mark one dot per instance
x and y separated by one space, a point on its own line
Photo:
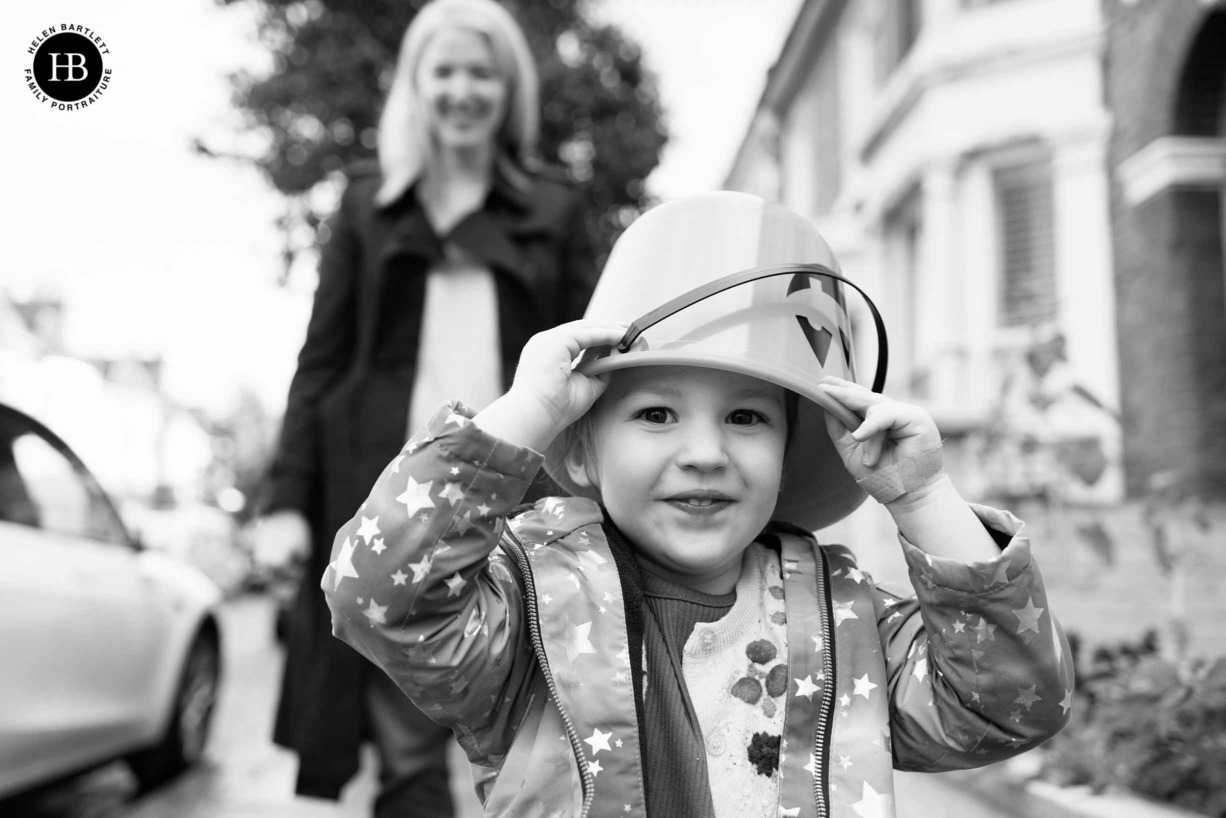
439 265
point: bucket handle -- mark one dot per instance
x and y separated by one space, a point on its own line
638 326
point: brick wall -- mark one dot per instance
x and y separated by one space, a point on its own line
1171 309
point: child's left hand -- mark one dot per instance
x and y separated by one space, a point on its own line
890 431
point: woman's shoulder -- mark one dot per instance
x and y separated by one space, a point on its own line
551 183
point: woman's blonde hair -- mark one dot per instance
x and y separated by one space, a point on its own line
404 139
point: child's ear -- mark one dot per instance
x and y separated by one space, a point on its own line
578 469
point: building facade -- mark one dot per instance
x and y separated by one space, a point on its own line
1032 192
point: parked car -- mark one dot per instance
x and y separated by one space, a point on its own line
108 650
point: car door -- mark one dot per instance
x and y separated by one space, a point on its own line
75 617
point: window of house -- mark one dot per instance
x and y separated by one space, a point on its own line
898 28
1026 242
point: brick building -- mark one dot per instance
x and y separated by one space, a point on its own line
1164 67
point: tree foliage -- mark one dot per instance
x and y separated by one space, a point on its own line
318 108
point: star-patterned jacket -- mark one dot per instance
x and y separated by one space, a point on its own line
514 633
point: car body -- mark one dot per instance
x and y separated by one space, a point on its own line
108 650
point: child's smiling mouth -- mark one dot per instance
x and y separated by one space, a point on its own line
700 502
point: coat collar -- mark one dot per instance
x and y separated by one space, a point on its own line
489 234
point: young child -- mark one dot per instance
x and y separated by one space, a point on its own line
670 641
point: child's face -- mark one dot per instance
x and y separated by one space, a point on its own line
688 461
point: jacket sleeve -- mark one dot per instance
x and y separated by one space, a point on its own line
417 585
325 354
979 669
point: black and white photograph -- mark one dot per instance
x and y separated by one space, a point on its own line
594 408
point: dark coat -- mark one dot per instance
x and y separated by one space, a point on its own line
349 398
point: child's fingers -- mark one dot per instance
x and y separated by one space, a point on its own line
871 452
579 335
852 395
833 407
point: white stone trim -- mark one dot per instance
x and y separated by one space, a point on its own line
1173 161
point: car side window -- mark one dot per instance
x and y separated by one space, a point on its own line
43 487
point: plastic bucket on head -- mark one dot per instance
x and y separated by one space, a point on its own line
729 281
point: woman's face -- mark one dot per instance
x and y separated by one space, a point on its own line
463 89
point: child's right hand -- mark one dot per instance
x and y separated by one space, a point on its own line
547 394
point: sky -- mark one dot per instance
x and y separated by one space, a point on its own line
159 252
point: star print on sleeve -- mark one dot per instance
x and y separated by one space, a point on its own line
1028 617
416 496
455 584
342 566
420 569
375 613
369 528
452 493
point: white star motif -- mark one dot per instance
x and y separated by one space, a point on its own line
420 569
872 804
863 686
452 493
375 613
342 566
1028 617
378 547
985 631
855 575
844 700
959 626
396 464
369 528
483 510
462 524
921 669
794 812
805 687
1026 697
399 577
1066 703
455 584
577 642
843 612
455 470
811 767
595 768
844 761
416 496
547 599
599 741
817 643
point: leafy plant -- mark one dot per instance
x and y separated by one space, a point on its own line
1144 723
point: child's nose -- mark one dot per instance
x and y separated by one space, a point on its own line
703 447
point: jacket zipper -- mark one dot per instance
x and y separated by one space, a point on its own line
534 629
821 738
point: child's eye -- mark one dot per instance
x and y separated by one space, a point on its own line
654 414
746 417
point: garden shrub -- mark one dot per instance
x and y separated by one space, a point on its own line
1143 723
